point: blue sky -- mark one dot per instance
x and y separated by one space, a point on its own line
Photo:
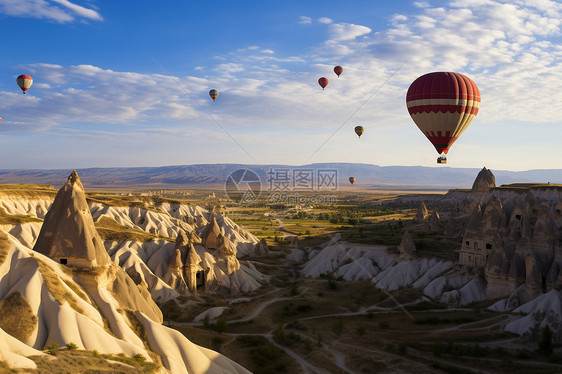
122 85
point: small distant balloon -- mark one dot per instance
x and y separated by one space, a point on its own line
338 70
359 130
351 180
323 82
214 94
24 81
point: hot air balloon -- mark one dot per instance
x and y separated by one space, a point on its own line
323 82
351 180
443 104
359 130
214 94
24 81
338 70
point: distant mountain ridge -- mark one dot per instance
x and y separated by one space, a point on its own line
216 174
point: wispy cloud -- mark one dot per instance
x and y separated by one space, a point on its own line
325 20
304 20
56 10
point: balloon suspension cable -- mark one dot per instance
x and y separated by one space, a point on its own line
359 108
200 106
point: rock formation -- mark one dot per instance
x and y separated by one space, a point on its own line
174 276
261 248
68 234
407 247
515 238
192 268
211 234
422 213
226 258
484 182
434 221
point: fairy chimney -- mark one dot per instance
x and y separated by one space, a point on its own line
212 232
407 247
68 234
422 214
192 267
484 182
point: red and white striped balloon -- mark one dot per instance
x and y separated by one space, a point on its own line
24 81
443 104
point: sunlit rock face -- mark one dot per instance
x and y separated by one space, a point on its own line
68 234
484 182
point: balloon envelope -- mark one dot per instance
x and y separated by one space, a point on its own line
24 81
351 180
323 82
359 130
338 70
443 104
214 94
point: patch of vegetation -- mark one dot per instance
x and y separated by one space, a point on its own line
426 305
285 339
267 360
136 326
291 309
52 348
144 202
109 229
77 290
456 350
545 344
28 190
4 247
71 346
57 287
78 361
16 316
221 325
443 321
16 219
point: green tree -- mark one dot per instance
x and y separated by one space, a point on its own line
545 344
206 322
52 348
221 325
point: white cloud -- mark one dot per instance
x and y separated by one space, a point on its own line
421 4
66 12
80 10
347 31
325 20
305 20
